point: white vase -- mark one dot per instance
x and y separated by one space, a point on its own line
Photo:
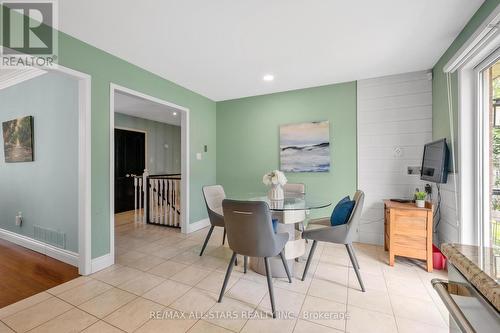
420 203
276 192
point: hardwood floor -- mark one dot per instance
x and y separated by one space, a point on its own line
124 218
24 273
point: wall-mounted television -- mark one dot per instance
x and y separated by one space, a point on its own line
435 162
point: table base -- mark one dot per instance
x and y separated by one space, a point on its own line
277 269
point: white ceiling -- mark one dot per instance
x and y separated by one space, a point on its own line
222 48
142 108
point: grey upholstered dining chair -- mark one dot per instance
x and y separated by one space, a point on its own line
214 194
250 233
340 234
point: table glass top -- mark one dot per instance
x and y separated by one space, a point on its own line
292 201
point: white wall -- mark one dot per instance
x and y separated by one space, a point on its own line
448 230
45 190
394 114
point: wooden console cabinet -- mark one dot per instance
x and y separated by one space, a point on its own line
408 231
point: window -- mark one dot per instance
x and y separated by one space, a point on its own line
491 88
476 163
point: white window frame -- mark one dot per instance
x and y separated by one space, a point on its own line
471 135
484 141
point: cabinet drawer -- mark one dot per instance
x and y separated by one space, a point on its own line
410 222
414 242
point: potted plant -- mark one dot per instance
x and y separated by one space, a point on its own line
420 199
276 180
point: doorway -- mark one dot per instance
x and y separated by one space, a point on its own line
60 136
163 156
130 162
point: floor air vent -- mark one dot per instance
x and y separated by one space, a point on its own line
50 236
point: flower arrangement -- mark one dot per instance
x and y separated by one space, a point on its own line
275 177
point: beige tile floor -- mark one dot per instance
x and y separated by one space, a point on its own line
158 271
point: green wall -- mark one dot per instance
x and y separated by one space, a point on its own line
45 190
247 129
161 160
440 118
105 69
248 139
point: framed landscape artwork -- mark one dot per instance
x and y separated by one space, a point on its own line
18 140
305 147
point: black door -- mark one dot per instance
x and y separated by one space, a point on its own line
129 160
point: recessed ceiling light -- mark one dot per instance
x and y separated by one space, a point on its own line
174 113
268 77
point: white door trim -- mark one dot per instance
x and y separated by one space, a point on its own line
184 112
84 167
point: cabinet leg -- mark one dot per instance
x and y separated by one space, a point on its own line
391 259
429 265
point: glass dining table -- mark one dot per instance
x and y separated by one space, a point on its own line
291 202
290 213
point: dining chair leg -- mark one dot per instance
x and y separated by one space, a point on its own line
302 228
309 259
245 263
286 267
224 237
352 256
270 285
206 240
228 275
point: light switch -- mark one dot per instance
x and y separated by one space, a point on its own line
198 156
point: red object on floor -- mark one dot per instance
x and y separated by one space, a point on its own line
438 258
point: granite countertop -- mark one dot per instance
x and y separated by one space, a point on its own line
480 266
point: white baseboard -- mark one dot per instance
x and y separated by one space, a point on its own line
66 256
192 227
101 263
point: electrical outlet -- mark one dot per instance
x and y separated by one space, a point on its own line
414 170
19 219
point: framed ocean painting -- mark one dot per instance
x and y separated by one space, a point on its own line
18 140
305 147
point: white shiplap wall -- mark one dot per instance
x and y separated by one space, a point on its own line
448 229
394 114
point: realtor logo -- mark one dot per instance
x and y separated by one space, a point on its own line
29 33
